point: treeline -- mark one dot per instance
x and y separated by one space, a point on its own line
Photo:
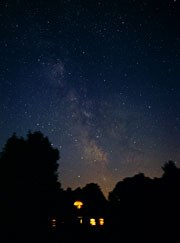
31 196
149 207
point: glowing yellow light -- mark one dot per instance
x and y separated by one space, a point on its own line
101 221
53 220
78 204
80 219
92 222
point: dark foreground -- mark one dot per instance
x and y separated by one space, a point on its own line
117 234
106 234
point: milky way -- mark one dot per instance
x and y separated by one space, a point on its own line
99 78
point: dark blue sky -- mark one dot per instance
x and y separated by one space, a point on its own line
99 78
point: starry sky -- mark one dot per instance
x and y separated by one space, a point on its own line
99 78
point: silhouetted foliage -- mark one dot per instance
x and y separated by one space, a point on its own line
28 185
145 206
170 169
94 199
30 196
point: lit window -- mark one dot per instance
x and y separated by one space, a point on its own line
80 219
92 222
53 223
78 204
101 221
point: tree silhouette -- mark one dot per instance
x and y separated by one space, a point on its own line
141 206
30 196
28 185
170 169
94 201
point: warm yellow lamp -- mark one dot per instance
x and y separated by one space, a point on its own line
78 204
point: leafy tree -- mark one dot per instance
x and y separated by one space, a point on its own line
28 184
94 201
170 169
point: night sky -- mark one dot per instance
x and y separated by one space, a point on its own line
101 79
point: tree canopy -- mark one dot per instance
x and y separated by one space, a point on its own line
28 181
